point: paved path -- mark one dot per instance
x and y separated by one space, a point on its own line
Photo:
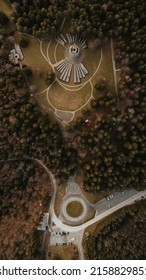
116 203
67 87
62 114
114 70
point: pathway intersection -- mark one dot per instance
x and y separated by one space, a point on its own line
74 233
65 229
72 61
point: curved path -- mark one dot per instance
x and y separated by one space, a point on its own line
114 70
64 115
56 220
78 230
71 88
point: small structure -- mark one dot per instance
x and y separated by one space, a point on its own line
15 55
74 51
18 51
43 226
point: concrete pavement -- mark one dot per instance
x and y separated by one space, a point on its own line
102 208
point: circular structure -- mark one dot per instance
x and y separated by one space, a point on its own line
74 209
74 54
74 215
74 51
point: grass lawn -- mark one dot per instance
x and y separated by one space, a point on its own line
66 252
42 99
34 59
91 61
66 116
58 200
63 99
59 53
6 7
45 44
106 67
81 114
51 51
74 209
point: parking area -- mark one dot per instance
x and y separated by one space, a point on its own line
113 200
59 238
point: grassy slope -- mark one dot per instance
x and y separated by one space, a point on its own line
66 252
68 100
62 98
106 68
5 6
34 59
42 97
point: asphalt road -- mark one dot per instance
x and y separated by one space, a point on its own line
118 198
103 208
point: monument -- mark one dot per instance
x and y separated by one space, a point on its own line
73 57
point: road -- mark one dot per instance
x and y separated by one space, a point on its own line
102 207
98 217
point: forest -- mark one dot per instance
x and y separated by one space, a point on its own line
109 149
121 237
24 197
112 145
102 18
27 132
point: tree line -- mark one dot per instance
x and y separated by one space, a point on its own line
112 144
121 237
25 131
24 187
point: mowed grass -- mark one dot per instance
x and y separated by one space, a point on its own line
34 59
48 47
6 7
66 116
59 53
51 50
63 99
45 44
74 209
106 67
66 252
42 99
91 61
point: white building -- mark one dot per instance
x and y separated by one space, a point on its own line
15 55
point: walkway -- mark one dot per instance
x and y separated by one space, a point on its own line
114 70
64 115
79 230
